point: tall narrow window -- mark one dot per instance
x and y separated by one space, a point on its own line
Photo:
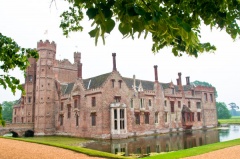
113 80
199 116
172 106
165 103
165 116
122 125
61 108
131 103
156 117
29 99
120 83
93 101
193 93
211 97
61 119
146 115
205 96
179 104
115 119
77 119
141 103
69 110
75 103
93 115
192 116
30 78
137 118
149 102
198 105
189 104
172 90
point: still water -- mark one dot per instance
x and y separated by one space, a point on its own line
166 142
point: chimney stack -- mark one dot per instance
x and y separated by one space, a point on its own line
156 73
177 81
80 70
114 61
180 78
188 80
134 83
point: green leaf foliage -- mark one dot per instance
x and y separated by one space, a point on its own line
222 111
12 56
2 122
173 23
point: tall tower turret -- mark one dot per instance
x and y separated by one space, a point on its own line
45 103
77 57
28 112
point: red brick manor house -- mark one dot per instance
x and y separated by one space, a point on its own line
59 101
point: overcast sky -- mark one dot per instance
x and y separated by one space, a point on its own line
27 20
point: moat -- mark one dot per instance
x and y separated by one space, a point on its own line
166 142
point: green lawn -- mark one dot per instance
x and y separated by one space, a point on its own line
233 120
196 150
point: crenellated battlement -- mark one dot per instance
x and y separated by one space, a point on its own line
77 57
65 64
46 45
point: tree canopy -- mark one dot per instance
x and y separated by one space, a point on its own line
7 109
12 56
222 111
206 84
174 23
2 122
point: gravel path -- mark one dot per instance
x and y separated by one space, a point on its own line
13 149
226 153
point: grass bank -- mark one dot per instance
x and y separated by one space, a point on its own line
233 120
196 150
70 144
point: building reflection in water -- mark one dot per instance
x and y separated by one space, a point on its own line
158 143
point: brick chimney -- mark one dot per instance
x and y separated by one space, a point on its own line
79 70
155 73
187 80
114 61
180 78
177 81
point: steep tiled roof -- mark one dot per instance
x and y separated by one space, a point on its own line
95 82
67 88
147 85
165 85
